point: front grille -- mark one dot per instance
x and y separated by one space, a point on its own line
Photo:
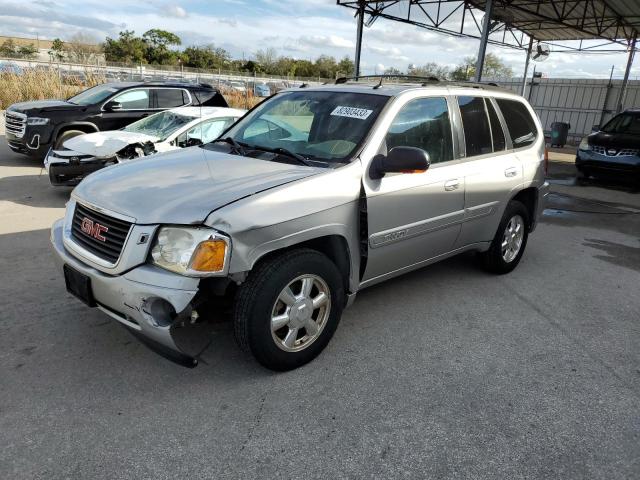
114 237
625 152
15 123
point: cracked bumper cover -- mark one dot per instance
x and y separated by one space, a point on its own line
137 298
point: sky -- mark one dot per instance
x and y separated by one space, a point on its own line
297 28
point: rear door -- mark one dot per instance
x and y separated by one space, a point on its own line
493 170
414 217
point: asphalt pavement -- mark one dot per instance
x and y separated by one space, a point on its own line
447 372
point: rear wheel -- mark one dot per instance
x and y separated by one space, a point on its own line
288 309
64 136
510 240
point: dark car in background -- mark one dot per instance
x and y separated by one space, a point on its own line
33 127
614 149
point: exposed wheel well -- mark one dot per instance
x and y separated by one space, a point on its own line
333 246
82 127
529 198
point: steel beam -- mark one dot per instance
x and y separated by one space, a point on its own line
360 16
484 38
526 67
625 81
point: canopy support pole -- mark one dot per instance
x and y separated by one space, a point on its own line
486 26
625 81
360 16
526 67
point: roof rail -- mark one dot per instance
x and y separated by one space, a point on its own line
417 79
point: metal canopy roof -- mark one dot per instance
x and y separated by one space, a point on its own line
555 20
616 22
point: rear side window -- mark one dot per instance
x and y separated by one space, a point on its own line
496 128
475 122
521 127
170 98
137 99
423 123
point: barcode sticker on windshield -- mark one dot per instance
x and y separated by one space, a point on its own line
351 112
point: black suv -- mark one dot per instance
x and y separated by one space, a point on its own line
615 149
33 127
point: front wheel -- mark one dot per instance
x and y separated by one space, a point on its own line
63 137
288 309
510 240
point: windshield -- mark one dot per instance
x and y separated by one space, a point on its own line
628 123
318 125
160 125
93 95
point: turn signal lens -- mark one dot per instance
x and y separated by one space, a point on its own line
209 256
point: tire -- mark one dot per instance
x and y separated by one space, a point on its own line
258 301
496 259
63 137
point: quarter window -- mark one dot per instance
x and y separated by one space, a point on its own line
496 128
171 97
521 127
423 123
134 99
475 122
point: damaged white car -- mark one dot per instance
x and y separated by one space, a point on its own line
168 130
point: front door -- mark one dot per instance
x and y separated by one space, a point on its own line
135 104
414 217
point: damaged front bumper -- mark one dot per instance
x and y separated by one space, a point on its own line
67 168
153 303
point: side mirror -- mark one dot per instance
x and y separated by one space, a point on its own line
400 160
192 142
112 106
595 128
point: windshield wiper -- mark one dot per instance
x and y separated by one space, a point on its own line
237 147
286 152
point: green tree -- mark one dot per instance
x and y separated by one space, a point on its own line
126 48
393 71
345 67
493 67
206 57
8 49
430 69
158 46
267 59
57 50
82 48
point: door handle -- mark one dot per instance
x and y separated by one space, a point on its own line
511 172
451 185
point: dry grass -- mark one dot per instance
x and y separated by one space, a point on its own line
237 99
44 84
41 85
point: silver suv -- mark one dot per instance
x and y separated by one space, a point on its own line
312 196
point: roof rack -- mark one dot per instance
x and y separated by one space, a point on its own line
414 78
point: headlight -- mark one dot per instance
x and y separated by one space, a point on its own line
584 144
37 121
191 251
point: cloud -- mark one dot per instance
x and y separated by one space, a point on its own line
174 11
323 40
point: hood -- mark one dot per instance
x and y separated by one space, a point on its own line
44 106
615 140
106 144
183 186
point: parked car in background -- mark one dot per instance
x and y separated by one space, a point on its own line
261 90
238 86
33 127
161 132
11 67
385 180
614 149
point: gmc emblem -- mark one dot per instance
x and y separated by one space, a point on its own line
93 229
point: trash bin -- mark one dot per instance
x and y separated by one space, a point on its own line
559 132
